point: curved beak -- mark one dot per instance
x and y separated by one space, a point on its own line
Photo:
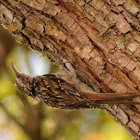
14 68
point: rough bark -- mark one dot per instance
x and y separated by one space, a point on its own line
98 38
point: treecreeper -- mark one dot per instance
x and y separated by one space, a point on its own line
64 92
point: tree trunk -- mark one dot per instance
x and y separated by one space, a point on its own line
98 38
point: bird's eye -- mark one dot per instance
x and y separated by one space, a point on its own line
18 76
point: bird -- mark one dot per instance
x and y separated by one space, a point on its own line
64 92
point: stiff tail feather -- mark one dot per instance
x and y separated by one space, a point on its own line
113 98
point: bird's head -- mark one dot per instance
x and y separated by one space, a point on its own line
23 81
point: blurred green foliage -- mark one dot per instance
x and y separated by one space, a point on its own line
22 118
